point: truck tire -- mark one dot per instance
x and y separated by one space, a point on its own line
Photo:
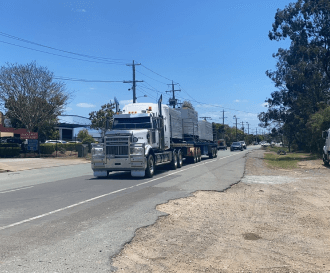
211 155
325 161
174 162
215 153
180 162
150 166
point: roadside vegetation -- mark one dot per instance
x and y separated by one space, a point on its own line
298 110
289 160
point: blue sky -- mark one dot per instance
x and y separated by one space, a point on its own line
216 51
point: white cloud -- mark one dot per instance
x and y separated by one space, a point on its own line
92 88
236 100
265 104
85 105
80 10
207 105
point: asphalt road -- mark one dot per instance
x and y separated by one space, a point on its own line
64 220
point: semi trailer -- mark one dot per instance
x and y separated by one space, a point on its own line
146 135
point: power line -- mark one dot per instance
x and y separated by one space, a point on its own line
155 72
156 90
54 54
150 77
61 50
80 80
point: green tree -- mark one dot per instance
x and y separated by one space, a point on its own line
302 74
99 118
30 96
316 124
85 137
187 104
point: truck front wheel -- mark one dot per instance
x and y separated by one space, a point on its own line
150 166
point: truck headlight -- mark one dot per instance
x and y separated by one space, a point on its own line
97 151
136 151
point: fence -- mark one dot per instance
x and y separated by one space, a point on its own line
15 147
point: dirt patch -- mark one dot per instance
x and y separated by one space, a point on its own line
254 227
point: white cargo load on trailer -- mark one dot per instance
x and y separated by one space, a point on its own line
205 131
189 121
176 124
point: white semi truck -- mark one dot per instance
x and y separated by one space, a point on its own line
145 135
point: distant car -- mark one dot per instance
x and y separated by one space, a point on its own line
55 141
236 146
243 144
74 141
222 144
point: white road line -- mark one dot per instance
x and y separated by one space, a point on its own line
107 194
17 189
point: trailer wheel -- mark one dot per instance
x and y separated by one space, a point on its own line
150 166
180 162
174 162
199 158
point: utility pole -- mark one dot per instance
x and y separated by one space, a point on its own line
223 117
243 128
248 127
205 118
134 81
236 125
173 101
223 123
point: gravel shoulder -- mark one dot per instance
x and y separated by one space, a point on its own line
272 221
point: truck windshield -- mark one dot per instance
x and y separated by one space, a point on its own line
132 123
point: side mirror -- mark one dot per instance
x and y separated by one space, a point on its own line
325 134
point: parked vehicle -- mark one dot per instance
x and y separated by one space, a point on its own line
55 141
222 144
243 144
326 147
236 146
145 135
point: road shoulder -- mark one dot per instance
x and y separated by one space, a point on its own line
272 221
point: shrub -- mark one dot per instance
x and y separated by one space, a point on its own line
9 145
47 148
9 151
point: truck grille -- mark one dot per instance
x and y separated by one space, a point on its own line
118 146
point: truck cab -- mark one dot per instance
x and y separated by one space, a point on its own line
139 133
